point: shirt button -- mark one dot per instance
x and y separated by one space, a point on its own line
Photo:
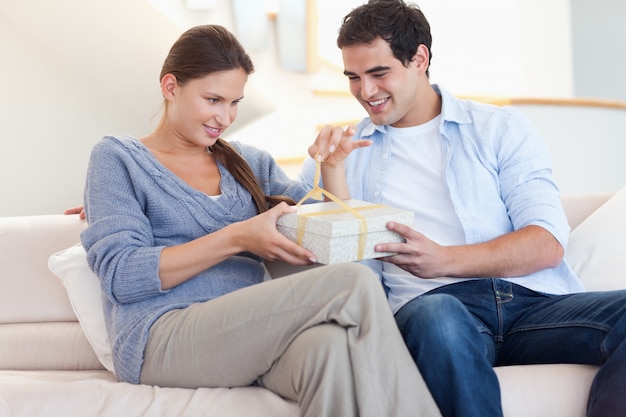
376 193
385 156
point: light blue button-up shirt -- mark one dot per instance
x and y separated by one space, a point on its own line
498 172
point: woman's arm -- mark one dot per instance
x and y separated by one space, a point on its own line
257 235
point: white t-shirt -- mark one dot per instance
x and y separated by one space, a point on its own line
416 182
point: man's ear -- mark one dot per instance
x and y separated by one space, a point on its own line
168 86
422 58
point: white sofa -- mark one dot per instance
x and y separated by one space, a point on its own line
49 366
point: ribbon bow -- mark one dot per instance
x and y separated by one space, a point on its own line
318 193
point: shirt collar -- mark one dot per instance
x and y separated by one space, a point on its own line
452 109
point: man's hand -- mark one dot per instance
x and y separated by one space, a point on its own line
76 210
418 255
522 252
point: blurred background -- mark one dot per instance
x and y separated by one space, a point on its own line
75 70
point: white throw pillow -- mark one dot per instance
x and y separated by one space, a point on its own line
597 247
83 289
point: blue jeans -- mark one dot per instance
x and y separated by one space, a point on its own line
458 332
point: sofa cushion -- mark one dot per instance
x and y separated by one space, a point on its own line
46 346
596 246
30 292
98 394
545 390
579 206
83 289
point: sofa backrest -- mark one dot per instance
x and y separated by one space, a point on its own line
579 206
38 328
29 291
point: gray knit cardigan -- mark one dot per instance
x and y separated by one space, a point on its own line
135 207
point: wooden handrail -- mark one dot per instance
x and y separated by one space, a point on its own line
511 101
291 160
582 102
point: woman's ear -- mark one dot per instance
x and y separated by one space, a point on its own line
168 86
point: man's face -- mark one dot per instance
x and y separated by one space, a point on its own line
385 88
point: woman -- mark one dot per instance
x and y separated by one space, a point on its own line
179 223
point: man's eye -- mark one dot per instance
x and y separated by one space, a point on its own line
212 100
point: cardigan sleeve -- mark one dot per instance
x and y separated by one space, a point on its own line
119 240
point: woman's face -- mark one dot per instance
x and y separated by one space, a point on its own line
200 110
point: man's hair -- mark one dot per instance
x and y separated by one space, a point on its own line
402 25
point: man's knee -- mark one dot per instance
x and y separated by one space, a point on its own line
439 318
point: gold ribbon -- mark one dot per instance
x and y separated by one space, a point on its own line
318 193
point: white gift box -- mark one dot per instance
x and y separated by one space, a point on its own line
335 234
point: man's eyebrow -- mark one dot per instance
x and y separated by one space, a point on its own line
370 71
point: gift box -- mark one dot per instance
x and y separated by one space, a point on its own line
344 232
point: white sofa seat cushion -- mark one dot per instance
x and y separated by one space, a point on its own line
83 289
597 246
529 390
97 394
545 390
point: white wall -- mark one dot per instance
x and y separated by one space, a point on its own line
71 73
599 53
486 47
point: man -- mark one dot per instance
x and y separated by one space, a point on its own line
481 280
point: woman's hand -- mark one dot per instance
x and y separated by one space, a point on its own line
257 235
263 239
333 144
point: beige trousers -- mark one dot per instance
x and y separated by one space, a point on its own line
324 338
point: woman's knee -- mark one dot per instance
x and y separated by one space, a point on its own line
320 351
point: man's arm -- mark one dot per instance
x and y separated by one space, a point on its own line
519 253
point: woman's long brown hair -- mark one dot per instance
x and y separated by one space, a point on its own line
203 50
242 172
